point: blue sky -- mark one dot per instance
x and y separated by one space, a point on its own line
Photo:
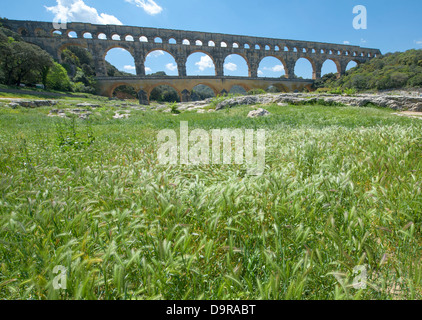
392 25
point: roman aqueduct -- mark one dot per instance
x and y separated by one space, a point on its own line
140 42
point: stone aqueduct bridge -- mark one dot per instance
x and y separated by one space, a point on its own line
99 39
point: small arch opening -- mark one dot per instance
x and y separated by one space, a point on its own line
236 89
164 93
72 34
40 32
202 92
125 92
272 89
23 32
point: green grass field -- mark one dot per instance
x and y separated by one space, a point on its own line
341 189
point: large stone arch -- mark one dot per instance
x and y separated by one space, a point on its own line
313 65
336 62
278 57
347 62
207 53
241 54
181 68
126 47
70 44
170 52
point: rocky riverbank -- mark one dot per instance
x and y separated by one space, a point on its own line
395 102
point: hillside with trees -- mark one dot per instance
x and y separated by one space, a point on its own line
392 71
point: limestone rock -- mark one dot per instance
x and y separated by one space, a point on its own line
399 102
258 113
88 105
32 103
121 116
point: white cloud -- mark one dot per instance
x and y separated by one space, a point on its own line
148 69
346 42
156 53
418 42
205 63
171 66
230 66
130 69
260 73
79 11
363 40
149 6
276 68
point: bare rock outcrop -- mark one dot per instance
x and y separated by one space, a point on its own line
398 102
258 113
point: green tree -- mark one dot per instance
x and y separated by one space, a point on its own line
57 78
20 61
